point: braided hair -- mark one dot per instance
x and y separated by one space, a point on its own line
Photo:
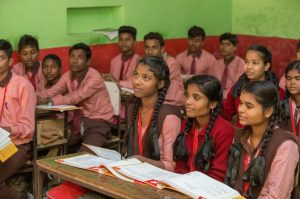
161 72
212 89
266 95
269 76
285 109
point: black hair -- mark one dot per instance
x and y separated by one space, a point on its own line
196 31
266 95
155 35
230 37
161 72
285 108
84 47
269 76
28 40
128 29
6 47
53 57
212 89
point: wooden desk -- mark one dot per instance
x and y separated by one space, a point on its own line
103 184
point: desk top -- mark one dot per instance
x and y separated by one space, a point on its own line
106 185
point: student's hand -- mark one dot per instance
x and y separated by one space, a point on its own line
107 76
8 129
41 100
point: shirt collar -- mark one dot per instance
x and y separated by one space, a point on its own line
6 80
79 75
195 54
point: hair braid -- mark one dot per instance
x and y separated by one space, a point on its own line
207 149
179 147
243 79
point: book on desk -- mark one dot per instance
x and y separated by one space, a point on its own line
7 147
60 108
194 184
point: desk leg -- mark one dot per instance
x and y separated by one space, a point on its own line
39 182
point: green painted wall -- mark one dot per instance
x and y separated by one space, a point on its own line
267 18
63 22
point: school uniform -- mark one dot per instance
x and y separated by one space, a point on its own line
17 112
222 134
36 76
168 126
122 67
228 72
292 123
202 63
89 92
175 94
231 105
281 158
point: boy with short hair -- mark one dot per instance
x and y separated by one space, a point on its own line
230 67
123 65
154 45
85 88
195 60
29 66
17 115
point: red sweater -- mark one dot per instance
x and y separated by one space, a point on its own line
222 135
231 105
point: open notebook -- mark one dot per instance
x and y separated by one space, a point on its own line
194 184
7 147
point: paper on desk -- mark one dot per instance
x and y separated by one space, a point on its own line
3 134
105 153
57 107
128 90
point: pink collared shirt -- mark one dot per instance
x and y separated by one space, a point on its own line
203 63
19 109
279 183
40 80
91 95
175 94
170 130
234 70
129 67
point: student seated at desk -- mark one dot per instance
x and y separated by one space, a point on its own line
123 65
257 68
29 67
229 68
17 107
263 158
155 124
51 68
195 60
85 88
206 137
154 45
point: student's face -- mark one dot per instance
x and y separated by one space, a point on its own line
144 82
251 113
29 56
195 43
298 54
227 48
255 67
293 82
152 48
50 70
126 42
196 103
5 62
78 60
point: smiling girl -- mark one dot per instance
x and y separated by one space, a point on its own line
257 68
206 137
259 166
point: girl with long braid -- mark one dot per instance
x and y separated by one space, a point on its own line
290 107
155 124
263 157
257 68
206 137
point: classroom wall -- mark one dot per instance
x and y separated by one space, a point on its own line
59 23
267 18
